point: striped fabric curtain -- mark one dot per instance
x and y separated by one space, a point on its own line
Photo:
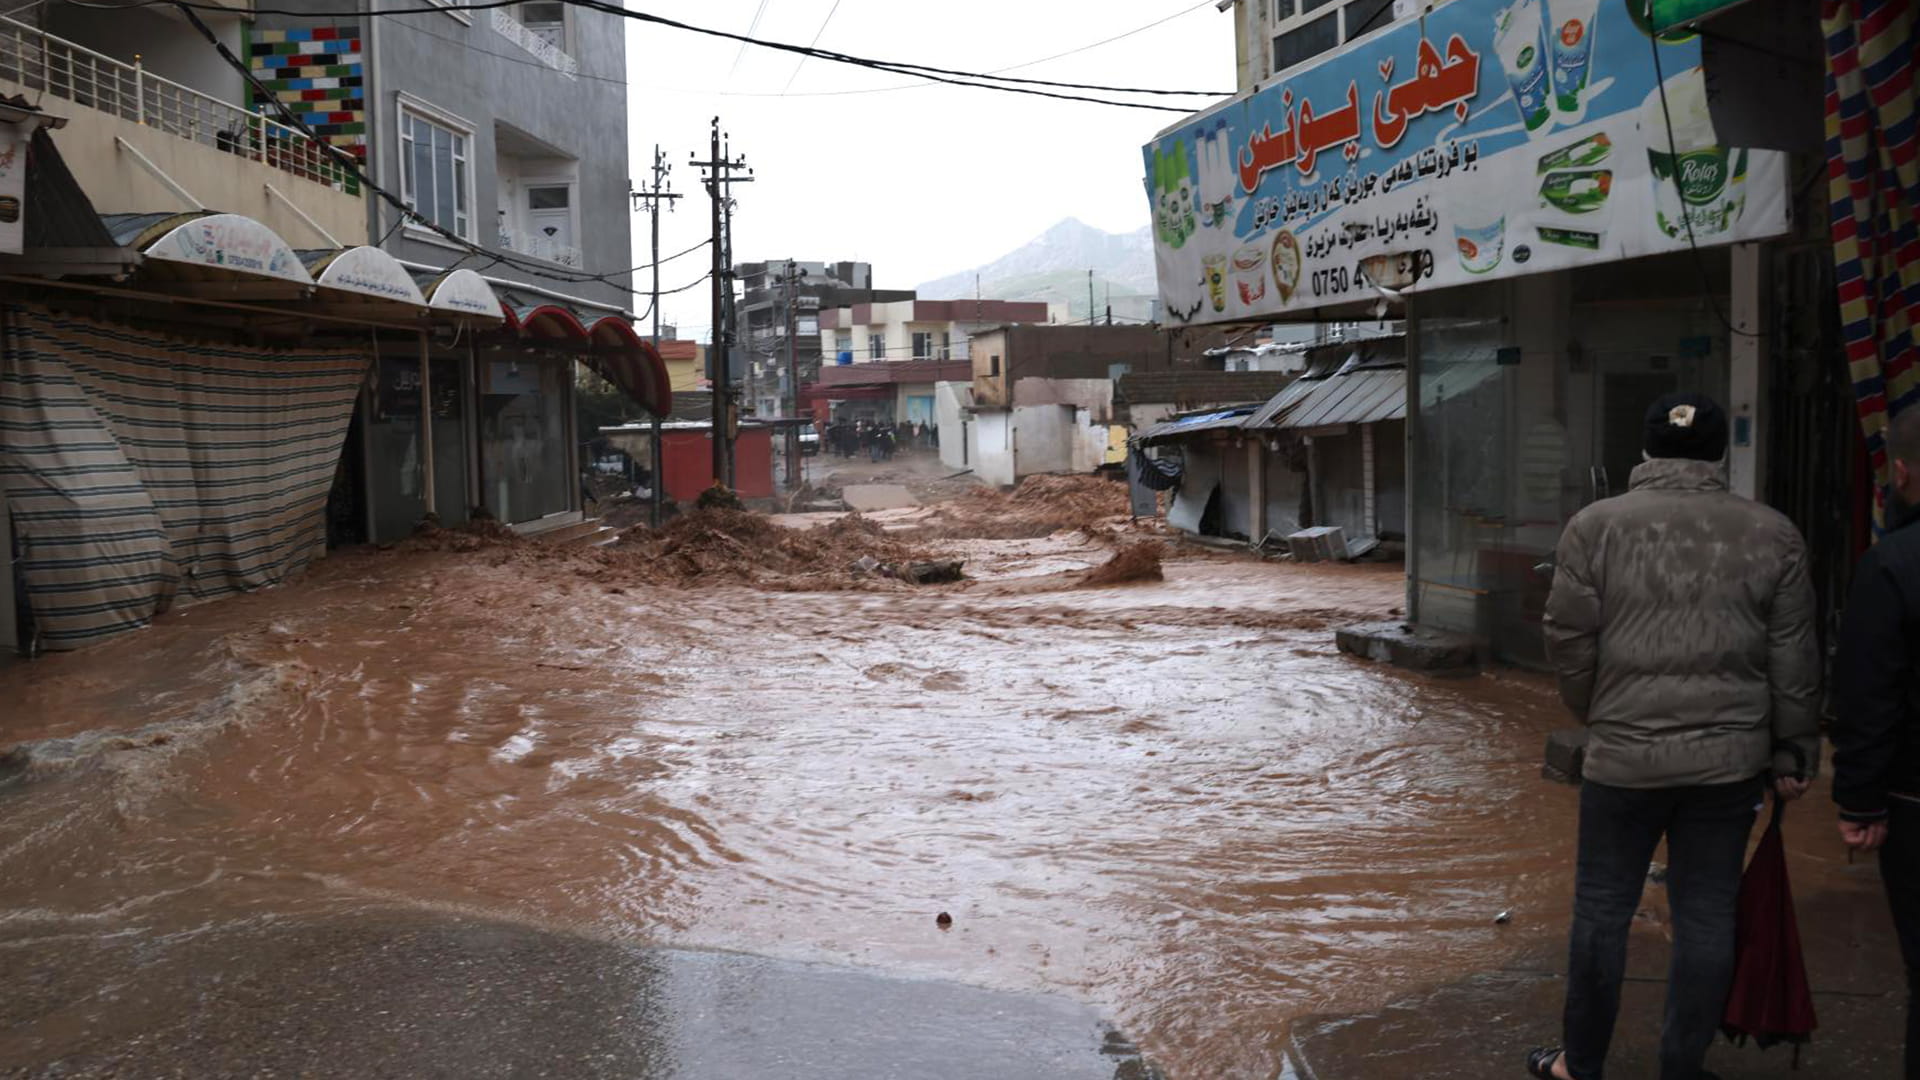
1873 177
140 468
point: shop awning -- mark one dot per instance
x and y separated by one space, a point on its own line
203 253
461 293
606 343
1360 396
363 280
1231 417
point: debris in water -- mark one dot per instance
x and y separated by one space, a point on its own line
943 920
1135 562
1503 918
932 572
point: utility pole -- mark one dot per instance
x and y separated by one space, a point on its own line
720 169
795 476
653 197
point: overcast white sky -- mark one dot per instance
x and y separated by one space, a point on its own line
919 182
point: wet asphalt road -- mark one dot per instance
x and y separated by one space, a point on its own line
411 993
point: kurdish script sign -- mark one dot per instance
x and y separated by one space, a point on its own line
1492 138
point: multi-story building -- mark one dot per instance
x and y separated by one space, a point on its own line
779 312
915 343
504 130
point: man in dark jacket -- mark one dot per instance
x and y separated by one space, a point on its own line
1876 733
1681 626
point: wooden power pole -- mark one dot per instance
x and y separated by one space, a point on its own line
720 173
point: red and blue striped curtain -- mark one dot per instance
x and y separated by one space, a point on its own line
1873 177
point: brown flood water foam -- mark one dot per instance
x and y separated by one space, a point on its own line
1172 799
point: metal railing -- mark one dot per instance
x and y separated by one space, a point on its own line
38 61
540 247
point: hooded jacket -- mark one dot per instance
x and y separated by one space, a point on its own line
1681 626
1876 727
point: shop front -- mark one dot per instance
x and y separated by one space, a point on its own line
1539 190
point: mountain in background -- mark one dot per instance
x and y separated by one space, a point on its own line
1053 267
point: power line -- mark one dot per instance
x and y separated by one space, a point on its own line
930 73
802 62
349 165
751 27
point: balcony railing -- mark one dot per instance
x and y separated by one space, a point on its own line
39 61
540 247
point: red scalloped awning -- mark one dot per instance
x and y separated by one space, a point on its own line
618 353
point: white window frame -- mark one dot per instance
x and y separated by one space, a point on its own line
565 44
876 346
930 338
458 14
523 211
408 104
1277 25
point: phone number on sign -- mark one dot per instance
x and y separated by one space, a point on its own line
1404 270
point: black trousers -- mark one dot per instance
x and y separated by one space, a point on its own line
1706 829
1900 869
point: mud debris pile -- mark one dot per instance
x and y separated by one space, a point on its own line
1133 562
721 545
1039 506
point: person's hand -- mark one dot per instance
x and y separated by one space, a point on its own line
1789 789
1863 837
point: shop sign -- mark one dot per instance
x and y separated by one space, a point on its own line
466 293
371 272
1487 140
1663 15
13 189
231 242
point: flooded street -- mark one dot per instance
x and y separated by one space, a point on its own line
1171 801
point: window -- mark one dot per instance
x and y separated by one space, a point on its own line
946 344
877 346
843 345
923 346
436 180
1363 17
547 21
993 367
1307 42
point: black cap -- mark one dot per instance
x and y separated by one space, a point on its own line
1686 425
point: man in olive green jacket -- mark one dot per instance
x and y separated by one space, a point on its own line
1681 626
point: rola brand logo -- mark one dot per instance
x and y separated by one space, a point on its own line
1702 175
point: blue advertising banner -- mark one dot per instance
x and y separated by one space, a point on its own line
1489 139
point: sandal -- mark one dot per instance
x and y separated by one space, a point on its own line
1540 1062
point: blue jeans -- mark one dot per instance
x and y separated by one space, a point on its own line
1706 828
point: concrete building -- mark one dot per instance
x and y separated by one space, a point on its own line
779 312
930 334
504 132
1537 336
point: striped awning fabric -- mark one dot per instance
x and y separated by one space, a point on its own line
140 467
1873 184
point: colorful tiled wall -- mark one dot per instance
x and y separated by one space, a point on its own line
317 73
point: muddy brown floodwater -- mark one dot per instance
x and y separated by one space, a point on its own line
1172 800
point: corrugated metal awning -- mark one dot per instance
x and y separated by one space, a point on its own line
1361 396
1182 426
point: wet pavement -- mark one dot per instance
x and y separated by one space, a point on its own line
1171 806
403 993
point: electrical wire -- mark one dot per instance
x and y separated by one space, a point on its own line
995 71
351 166
923 71
751 27
1686 217
802 62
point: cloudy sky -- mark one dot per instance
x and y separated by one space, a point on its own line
918 179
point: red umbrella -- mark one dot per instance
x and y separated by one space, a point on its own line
1770 1001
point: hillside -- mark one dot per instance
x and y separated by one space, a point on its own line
1053 267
